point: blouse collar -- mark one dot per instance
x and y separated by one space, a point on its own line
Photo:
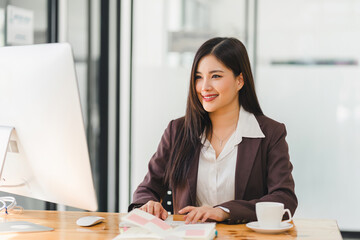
247 126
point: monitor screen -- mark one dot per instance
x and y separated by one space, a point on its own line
43 149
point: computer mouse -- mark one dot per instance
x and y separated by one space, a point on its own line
89 221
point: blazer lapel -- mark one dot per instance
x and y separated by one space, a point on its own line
247 151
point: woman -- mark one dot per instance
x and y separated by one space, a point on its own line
224 155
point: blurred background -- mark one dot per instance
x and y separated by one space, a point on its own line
133 60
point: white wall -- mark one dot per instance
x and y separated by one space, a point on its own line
320 105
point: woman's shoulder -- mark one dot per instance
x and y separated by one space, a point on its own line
175 125
178 121
174 128
268 125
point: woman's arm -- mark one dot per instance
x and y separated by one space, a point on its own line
279 181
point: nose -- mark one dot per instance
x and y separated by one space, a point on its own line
206 85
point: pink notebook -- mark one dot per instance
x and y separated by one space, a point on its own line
148 226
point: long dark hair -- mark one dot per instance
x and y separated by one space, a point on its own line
232 53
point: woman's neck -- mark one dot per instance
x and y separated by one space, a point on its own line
226 119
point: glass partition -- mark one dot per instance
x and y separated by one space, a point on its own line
40 9
2 24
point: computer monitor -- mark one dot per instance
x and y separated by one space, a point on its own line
43 149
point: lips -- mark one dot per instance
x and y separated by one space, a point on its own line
210 97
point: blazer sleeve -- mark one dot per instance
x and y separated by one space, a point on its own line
153 187
279 181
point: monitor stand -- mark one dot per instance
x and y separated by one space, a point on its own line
15 171
5 134
8 145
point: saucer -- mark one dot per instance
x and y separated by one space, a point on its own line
283 227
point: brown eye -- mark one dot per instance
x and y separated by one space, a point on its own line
216 76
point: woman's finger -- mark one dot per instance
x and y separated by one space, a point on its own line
186 209
150 207
205 217
198 216
144 207
190 216
157 209
164 214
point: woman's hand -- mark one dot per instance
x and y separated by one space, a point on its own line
155 208
203 213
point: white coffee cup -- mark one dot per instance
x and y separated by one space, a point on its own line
270 214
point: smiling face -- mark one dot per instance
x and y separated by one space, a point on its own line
216 86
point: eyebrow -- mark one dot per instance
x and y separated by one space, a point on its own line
213 71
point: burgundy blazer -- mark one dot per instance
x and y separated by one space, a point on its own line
263 173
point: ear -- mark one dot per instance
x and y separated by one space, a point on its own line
239 81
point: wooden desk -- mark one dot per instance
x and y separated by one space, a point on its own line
65 227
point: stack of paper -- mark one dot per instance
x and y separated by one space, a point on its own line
151 227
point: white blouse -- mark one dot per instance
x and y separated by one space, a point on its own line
216 176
